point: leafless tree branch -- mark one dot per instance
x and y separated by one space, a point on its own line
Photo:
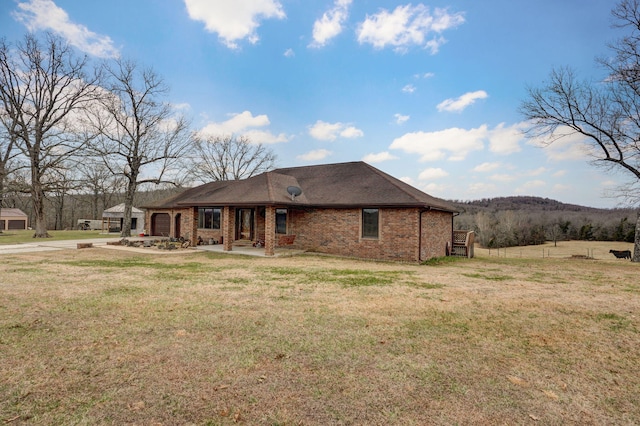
230 158
606 113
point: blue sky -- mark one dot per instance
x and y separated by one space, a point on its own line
427 92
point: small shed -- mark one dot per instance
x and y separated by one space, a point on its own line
113 219
13 219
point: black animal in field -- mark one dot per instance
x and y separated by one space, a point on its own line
621 254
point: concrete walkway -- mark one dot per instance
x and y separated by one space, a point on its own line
49 245
249 251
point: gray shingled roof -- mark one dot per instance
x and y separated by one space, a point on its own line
11 212
340 185
120 209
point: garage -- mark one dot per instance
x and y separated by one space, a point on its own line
161 224
17 225
13 219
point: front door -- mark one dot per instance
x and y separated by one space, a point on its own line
244 224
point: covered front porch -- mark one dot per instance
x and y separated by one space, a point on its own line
255 229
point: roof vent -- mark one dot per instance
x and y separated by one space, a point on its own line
294 191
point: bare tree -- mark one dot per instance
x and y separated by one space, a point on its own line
42 84
606 113
230 158
484 226
100 184
68 183
141 138
506 228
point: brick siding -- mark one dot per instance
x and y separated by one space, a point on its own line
338 231
437 234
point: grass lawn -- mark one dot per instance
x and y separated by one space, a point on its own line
26 236
102 336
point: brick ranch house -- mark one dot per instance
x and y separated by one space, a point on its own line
346 209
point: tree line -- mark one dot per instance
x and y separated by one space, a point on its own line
519 221
70 127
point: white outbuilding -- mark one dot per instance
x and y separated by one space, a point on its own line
113 219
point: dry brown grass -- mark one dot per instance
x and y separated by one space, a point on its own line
109 337
562 249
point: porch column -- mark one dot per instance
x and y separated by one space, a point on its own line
193 221
270 231
228 214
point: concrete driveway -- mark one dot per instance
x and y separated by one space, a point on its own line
47 245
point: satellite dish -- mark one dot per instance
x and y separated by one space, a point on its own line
294 191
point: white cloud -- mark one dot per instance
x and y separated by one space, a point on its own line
432 173
289 53
316 155
560 173
459 104
238 123
564 144
434 44
379 157
401 119
244 124
432 146
325 131
454 143
330 131
46 15
234 20
266 137
409 88
506 140
331 23
486 167
407 26
351 133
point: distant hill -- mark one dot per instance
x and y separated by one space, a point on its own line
527 203
524 220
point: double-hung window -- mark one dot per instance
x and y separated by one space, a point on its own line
209 217
370 222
